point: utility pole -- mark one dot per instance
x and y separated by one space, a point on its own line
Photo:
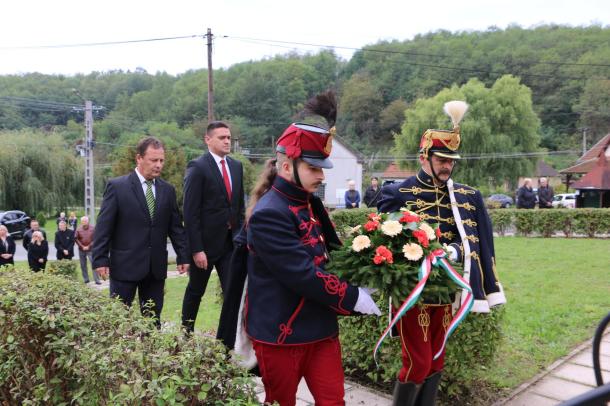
89 178
210 78
584 140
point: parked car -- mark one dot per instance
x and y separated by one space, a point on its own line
15 221
564 200
501 200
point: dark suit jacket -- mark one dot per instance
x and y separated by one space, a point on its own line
127 240
8 249
207 210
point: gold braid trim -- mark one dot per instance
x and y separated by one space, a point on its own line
477 258
464 191
473 239
426 216
469 222
423 319
446 318
466 206
448 235
415 190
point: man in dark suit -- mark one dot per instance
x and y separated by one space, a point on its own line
213 215
138 213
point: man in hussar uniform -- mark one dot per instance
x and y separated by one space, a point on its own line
466 229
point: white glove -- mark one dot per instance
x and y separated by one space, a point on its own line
365 304
453 255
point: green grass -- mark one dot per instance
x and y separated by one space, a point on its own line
558 290
209 309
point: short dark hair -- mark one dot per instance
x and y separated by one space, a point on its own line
146 142
375 177
214 125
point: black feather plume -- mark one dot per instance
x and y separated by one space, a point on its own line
325 105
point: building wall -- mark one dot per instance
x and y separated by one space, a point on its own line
346 167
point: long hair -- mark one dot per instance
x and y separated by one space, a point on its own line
263 185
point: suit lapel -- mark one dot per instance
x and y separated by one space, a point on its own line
216 174
139 192
159 195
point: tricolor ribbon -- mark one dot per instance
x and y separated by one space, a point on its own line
436 258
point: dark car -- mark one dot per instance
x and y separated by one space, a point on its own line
501 200
15 221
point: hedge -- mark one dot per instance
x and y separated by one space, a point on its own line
469 352
547 222
61 343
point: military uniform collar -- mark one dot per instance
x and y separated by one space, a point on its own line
427 180
290 190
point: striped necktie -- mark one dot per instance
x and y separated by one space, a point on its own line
150 198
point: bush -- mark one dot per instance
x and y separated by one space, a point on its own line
42 219
61 343
469 352
64 267
547 222
347 218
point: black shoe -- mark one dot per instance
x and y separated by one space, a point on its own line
98 282
428 391
86 282
405 393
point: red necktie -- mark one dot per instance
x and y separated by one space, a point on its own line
225 178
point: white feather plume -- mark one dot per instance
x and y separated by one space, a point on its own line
456 110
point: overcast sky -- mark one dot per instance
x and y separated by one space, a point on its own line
27 23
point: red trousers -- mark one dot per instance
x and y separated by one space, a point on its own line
283 366
421 332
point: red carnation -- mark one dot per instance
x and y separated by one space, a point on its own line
408 218
374 216
384 254
422 238
371 226
438 233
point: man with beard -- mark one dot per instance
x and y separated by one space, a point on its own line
465 228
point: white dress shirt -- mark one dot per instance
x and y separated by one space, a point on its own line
145 186
219 165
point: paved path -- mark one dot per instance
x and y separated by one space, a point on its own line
566 378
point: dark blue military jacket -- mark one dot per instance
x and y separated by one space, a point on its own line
433 205
291 298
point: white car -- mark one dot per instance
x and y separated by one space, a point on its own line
565 200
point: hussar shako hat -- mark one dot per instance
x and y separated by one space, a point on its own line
445 143
312 143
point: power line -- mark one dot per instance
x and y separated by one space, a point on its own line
387 51
105 43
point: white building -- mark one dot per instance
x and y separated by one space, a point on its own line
347 166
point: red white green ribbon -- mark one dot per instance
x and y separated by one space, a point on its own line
436 258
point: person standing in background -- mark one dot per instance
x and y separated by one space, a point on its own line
37 252
213 215
526 197
7 247
64 242
545 195
72 221
372 193
27 236
84 239
352 196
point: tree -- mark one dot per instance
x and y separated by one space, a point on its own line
500 120
38 172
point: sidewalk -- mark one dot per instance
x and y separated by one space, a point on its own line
566 378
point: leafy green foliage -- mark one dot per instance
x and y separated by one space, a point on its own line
500 118
38 172
60 342
65 268
547 222
470 352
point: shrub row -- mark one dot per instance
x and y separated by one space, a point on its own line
469 352
567 222
61 343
